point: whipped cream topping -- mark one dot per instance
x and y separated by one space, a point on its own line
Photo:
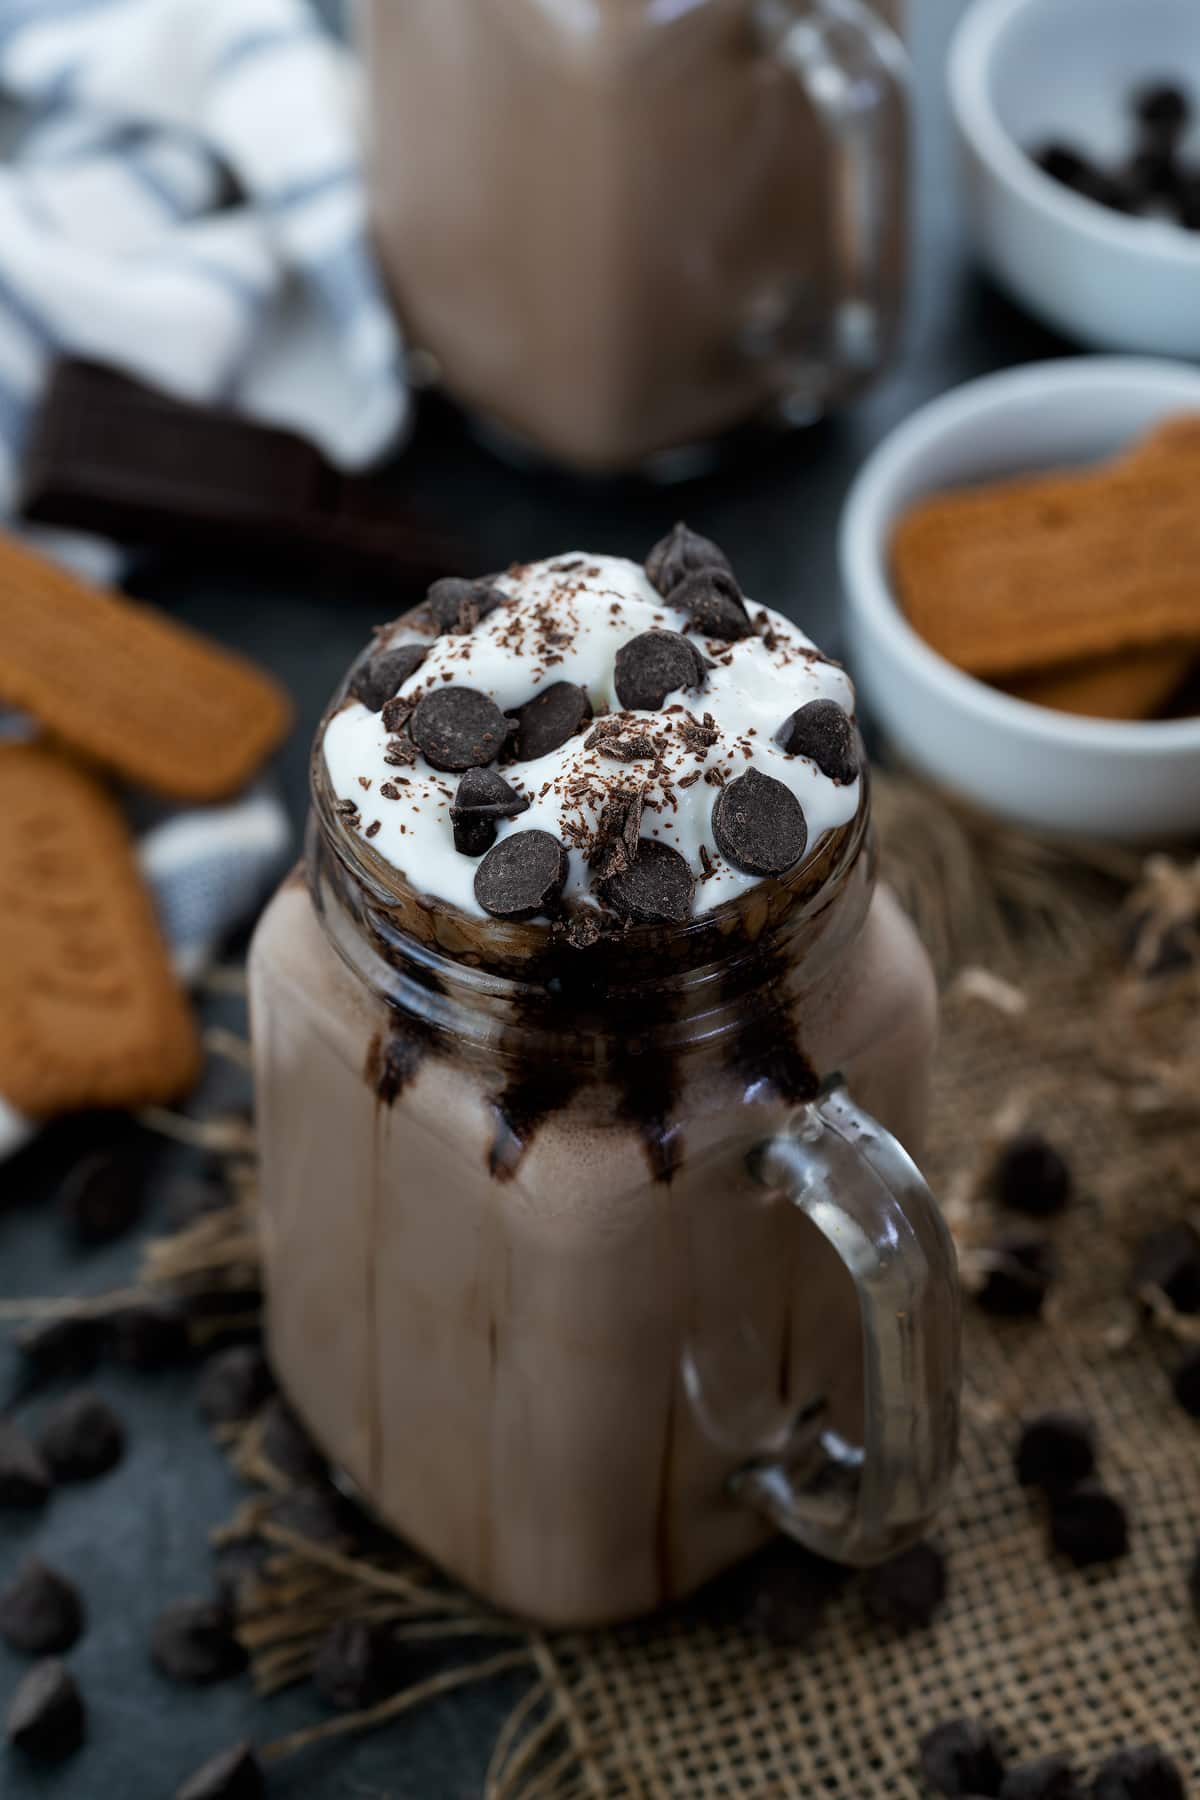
565 619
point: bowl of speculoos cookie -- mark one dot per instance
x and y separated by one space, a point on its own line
1079 127
1021 566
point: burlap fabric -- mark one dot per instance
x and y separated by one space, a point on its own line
1060 1659
1055 1033
1044 1025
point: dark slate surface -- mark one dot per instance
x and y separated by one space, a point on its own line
137 1538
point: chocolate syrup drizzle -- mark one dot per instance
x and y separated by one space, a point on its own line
522 1108
765 1053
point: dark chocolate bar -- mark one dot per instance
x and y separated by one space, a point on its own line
108 455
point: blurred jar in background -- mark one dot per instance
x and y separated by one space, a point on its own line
623 227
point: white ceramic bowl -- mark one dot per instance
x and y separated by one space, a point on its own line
1025 763
1024 71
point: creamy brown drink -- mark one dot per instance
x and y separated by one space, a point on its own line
548 1178
621 228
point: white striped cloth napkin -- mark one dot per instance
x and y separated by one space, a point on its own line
184 201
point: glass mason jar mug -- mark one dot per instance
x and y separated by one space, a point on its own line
623 227
590 1268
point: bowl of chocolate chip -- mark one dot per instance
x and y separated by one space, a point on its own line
1079 122
1021 565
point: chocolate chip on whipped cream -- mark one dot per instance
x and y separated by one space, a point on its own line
607 713
457 605
522 876
382 676
545 723
653 665
713 601
483 797
681 553
823 731
458 728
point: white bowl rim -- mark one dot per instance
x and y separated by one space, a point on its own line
862 549
971 50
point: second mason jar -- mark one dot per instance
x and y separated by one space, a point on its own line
622 227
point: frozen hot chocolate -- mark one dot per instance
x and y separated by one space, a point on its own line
584 691
620 227
588 916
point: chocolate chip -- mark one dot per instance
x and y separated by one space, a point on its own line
482 798
41 1612
104 1196
25 1478
1163 108
714 600
384 674
1089 1525
681 553
286 1445
657 886
522 875
233 1775
653 665
1066 165
233 1384
906 1591
1049 1778
1150 174
355 1665
1144 1773
46 1717
150 1335
963 1756
193 1642
1031 1177
1056 1451
1025 1272
824 732
759 825
458 728
1185 1384
61 1346
458 605
781 1596
547 721
81 1438
1169 1260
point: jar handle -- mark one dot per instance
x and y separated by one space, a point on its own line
854 72
862 1503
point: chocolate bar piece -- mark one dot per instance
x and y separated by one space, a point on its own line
109 455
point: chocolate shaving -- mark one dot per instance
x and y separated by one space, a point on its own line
604 728
618 832
695 736
582 930
627 749
706 863
396 713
